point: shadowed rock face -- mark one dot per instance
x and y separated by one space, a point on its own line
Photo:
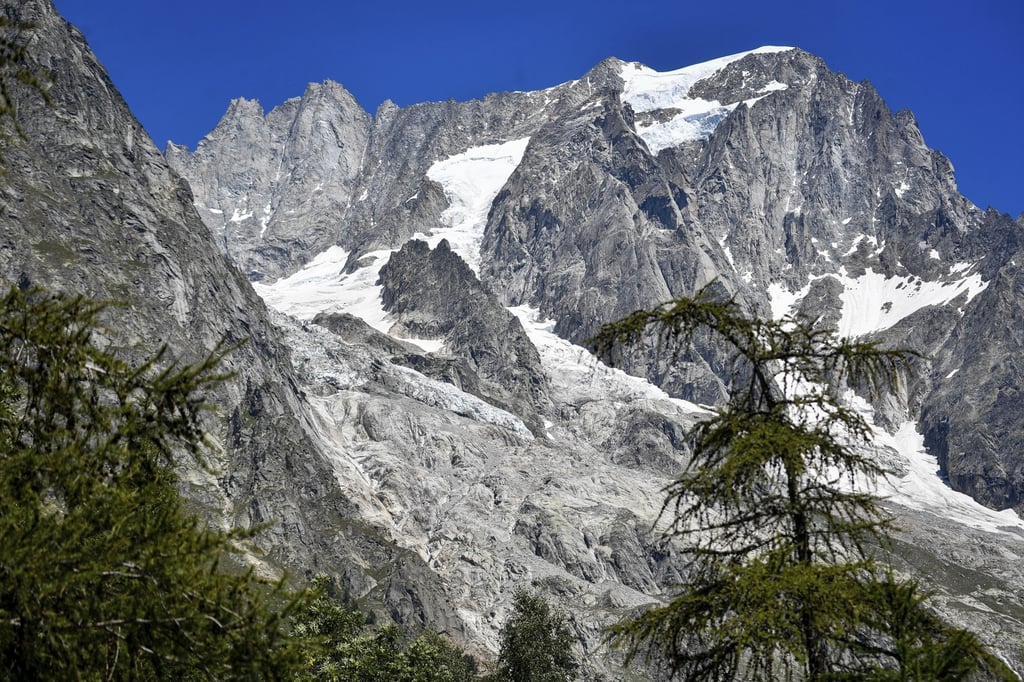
434 484
91 207
434 294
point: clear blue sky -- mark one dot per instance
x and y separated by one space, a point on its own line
958 65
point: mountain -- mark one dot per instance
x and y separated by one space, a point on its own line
790 186
89 206
414 411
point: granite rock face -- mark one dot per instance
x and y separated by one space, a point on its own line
281 181
430 429
91 207
433 293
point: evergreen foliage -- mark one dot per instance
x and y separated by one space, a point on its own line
536 643
771 513
103 574
340 648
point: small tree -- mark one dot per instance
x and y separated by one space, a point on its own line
340 648
771 510
536 643
103 575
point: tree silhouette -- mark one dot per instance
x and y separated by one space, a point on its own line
773 511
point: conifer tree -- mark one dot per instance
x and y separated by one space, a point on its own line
103 573
774 513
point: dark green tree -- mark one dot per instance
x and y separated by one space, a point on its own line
103 573
536 643
339 647
918 646
772 511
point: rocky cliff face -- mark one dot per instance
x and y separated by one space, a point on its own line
417 416
91 207
788 185
281 181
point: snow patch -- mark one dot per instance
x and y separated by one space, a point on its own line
265 219
471 180
773 86
873 302
856 242
648 90
922 487
237 216
783 301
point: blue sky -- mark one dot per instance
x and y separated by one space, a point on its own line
959 66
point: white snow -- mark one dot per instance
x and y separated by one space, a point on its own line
322 287
723 241
922 488
237 216
784 301
471 180
573 370
265 219
648 90
773 86
873 302
856 242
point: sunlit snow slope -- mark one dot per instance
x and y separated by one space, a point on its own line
693 118
872 302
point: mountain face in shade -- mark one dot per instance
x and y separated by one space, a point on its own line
91 207
415 413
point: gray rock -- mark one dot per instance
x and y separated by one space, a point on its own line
434 294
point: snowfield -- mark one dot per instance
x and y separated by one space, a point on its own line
471 180
648 90
872 302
